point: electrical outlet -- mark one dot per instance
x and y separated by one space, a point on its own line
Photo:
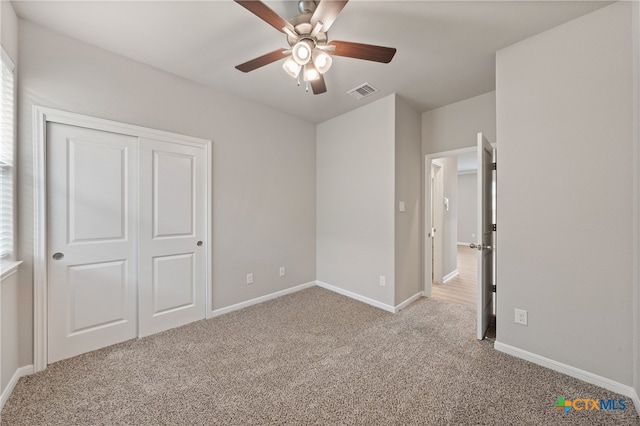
521 316
249 278
283 271
382 281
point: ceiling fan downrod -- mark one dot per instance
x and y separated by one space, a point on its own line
307 6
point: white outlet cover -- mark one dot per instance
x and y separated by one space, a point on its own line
521 316
249 278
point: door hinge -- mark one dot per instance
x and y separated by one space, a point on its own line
493 288
494 166
495 227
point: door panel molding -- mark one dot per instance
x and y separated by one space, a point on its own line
40 117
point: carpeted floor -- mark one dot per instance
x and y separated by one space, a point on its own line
313 357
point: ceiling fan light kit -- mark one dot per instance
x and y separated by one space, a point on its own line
306 34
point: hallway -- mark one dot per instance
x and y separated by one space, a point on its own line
462 288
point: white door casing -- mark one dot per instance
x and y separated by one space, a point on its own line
428 213
485 235
437 231
42 118
92 239
172 235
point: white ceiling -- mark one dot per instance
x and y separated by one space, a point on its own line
446 49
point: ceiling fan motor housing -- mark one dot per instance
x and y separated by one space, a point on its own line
301 24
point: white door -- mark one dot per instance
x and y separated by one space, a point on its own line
173 235
485 235
92 216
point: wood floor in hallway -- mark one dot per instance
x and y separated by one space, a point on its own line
461 289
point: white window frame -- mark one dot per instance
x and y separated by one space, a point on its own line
7 257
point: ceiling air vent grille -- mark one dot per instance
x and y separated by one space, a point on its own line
362 91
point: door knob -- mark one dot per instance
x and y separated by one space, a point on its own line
58 256
479 246
199 243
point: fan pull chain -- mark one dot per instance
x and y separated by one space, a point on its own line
307 87
299 79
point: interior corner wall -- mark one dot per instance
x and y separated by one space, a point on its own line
455 126
565 193
408 173
263 184
355 200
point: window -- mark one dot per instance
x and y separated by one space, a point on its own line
7 141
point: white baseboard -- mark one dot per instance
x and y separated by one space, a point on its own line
450 276
577 373
358 297
407 302
20 372
241 305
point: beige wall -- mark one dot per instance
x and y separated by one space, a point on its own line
408 171
368 160
9 331
455 126
565 180
263 183
355 200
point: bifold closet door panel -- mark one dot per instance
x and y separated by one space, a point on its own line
172 235
92 239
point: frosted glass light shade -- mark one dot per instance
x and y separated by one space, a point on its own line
291 67
321 60
301 52
310 73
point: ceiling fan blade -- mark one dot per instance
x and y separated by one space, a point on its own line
265 13
318 86
327 11
263 60
367 52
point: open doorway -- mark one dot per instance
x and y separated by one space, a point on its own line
454 217
459 243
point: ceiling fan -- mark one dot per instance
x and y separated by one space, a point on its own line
310 53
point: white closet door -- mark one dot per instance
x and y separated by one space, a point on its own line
173 235
92 228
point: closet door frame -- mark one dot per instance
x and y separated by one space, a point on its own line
42 116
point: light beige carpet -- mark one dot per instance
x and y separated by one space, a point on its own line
313 357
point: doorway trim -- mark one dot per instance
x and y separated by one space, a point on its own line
437 220
42 116
428 160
